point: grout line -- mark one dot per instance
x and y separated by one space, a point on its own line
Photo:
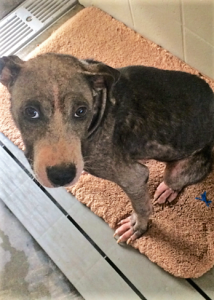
192 32
198 289
182 28
109 261
132 15
199 37
90 240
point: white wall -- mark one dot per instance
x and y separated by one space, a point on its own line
184 27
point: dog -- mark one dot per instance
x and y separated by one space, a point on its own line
77 115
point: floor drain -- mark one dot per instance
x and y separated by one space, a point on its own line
28 20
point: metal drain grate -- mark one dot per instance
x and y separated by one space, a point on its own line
28 20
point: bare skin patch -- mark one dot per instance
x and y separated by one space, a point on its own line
145 113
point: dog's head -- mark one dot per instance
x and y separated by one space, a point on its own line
57 102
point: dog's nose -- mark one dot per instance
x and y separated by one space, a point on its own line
61 175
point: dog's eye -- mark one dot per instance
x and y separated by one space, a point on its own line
31 112
80 112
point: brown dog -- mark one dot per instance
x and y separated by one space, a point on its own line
81 114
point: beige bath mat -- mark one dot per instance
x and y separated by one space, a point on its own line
181 236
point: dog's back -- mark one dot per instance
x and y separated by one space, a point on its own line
169 113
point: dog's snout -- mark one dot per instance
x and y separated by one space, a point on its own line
61 175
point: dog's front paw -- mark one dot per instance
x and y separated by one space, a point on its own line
130 229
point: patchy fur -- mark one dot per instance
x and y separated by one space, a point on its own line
76 115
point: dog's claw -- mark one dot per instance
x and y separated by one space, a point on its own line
128 230
129 241
115 234
124 221
123 238
119 240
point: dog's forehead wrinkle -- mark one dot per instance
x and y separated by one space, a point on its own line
57 85
45 71
52 94
55 64
56 95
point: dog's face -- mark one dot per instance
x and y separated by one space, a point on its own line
57 101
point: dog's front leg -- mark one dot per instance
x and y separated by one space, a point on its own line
133 180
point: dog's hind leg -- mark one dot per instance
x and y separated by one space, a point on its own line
179 174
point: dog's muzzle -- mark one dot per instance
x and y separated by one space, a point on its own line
61 175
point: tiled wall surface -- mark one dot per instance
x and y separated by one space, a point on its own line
184 27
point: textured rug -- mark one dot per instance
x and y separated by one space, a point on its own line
181 236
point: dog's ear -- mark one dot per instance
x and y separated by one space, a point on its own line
100 75
9 69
